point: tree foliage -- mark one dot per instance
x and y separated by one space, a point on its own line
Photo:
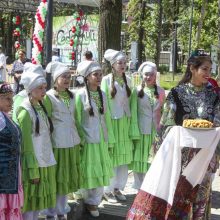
204 25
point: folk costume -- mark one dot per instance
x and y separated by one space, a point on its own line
11 190
97 138
189 201
120 116
61 109
37 155
146 112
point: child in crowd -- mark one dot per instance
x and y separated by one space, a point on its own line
146 107
38 162
60 103
116 85
96 135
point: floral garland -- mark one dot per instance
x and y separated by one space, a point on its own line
39 32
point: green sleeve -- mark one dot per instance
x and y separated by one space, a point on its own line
78 117
17 102
30 166
111 137
48 105
134 129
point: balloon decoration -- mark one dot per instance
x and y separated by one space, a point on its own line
39 32
17 45
17 31
16 20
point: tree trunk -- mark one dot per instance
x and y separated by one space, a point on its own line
200 24
109 26
159 33
9 39
141 33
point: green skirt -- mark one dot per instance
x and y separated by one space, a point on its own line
43 195
142 149
67 169
122 150
95 166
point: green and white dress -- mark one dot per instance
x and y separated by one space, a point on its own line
37 159
65 140
17 100
97 141
120 116
146 113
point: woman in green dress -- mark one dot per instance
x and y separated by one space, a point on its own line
60 103
38 162
96 136
116 85
146 107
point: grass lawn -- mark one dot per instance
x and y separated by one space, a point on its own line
167 82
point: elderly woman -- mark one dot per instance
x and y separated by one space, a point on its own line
11 192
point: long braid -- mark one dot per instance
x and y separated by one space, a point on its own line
101 110
37 122
56 94
91 112
69 93
156 91
141 92
128 90
113 88
49 119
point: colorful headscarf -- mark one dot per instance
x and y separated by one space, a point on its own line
5 88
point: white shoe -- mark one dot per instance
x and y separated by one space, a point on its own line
93 210
94 213
119 195
109 197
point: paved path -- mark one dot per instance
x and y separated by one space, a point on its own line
118 211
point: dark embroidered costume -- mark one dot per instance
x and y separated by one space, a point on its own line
183 102
11 190
9 158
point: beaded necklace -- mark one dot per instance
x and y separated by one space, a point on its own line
95 96
65 98
119 79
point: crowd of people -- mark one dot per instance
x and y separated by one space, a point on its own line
62 141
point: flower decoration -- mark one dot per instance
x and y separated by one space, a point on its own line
73 29
85 27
